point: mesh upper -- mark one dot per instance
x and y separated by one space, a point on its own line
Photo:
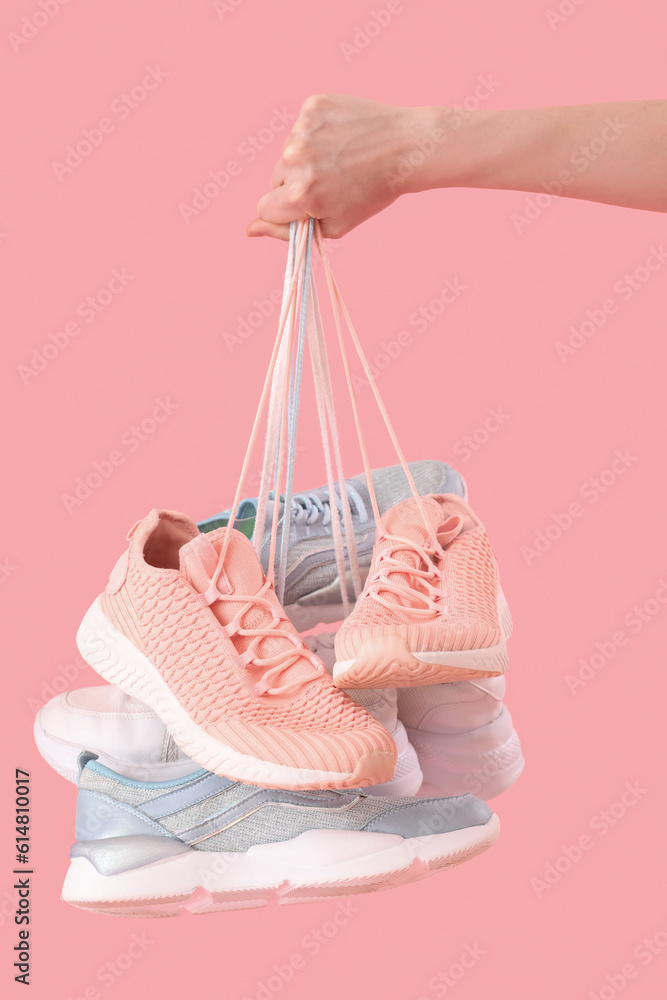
159 610
469 579
270 823
133 795
391 485
273 823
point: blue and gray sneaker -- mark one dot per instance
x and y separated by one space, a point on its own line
312 587
202 843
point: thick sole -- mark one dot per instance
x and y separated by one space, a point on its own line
484 762
315 865
387 661
112 655
63 758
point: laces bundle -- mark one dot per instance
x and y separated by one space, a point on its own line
300 322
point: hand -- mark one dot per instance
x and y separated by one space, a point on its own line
339 164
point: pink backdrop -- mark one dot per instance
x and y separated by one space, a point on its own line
540 916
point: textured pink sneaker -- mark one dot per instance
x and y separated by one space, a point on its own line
432 609
222 665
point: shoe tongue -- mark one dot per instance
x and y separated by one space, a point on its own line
242 575
197 561
405 520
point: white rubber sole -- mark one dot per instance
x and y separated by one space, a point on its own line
63 757
387 661
313 866
483 762
112 655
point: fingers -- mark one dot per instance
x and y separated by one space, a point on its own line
294 185
280 206
258 227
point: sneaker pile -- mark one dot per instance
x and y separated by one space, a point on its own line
231 759
193 764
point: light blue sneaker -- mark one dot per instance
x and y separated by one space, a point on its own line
312 587
202 842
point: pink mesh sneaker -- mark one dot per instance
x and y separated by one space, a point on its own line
198 635
432 609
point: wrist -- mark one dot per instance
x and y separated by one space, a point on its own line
456 148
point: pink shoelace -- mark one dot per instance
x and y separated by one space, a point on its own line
300 317
417 590
250 659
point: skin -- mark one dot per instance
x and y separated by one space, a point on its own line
347 158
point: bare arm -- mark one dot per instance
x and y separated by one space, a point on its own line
348 158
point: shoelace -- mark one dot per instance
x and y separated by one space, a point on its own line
310 507
422 584
251 658
277 664
282 390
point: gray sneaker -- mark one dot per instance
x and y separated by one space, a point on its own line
312 586
203 843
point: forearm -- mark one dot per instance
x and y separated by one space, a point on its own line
614 153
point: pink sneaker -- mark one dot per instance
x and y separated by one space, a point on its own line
432 609
222 665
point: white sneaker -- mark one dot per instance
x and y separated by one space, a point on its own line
124 734
463 735
382 704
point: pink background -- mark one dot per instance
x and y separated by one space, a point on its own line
495 346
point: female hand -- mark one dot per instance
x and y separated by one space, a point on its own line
339 164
